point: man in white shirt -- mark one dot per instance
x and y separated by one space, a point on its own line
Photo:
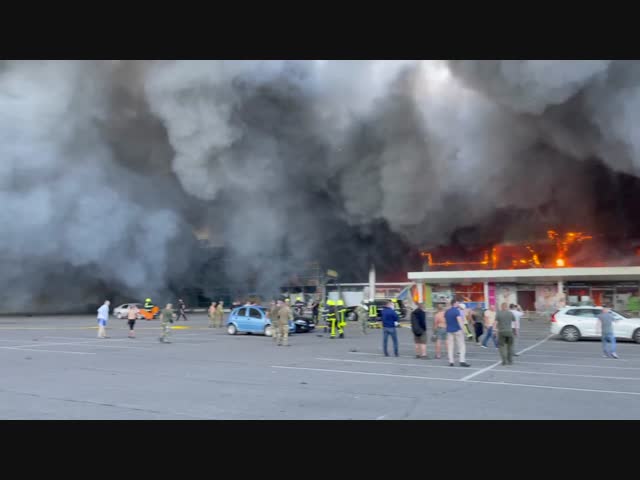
517 313
103 316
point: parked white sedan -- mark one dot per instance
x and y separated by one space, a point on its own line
574 323
121 311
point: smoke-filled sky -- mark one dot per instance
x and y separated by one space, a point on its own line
108 166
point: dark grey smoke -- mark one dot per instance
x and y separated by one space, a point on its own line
108 167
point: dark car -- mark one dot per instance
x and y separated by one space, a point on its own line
303 324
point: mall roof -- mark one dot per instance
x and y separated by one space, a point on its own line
530 275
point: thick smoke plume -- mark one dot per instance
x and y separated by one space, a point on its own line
109 167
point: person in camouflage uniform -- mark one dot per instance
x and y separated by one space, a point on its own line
284 315
212 315
363 317
166 318
219 314
273 315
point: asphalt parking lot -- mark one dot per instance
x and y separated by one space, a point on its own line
56 368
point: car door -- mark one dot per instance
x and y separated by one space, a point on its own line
588 320
622 326
255 322
242 321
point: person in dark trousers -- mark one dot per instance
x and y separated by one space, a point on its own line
605 327
504 319
315 309
476 315
390 321
181 310
419 329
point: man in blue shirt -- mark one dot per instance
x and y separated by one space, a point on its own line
390 321
454 333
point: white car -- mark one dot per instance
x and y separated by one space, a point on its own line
122 310
574 323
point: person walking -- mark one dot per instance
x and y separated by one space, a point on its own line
212 314
132 315
439 330
455 323
103 316
284 314
478 328
419 329
182 308
220 314
605 328
504 321
390 321
166 318
517 314
489 325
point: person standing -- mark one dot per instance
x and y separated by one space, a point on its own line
476 316
315 310
489 325
220 314
132 316
464 313
605 327
103 316
212 314
182 308
284 314
517 315
166 318
455 322
273 315
390 321
363 317
419 329
439 330
504 321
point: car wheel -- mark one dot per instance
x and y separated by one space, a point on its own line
118 316
231 329
636 336
268 331
570 334
352 316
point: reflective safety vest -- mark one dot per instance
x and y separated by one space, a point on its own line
148 305
373 310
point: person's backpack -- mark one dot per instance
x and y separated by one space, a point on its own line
415 326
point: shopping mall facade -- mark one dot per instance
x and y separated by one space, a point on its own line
536 289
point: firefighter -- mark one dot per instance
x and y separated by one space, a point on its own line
166 319
363 316
331 317
341 310
373 314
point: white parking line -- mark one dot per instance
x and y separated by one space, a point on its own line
576 365
425 365
529 372
507 384
475 374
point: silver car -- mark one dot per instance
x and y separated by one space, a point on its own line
574 323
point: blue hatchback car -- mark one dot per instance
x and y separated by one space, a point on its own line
252 319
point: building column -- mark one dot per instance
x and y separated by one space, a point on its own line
372 282
420 287
486 295
560 287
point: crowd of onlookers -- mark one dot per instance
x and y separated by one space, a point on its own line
454 326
